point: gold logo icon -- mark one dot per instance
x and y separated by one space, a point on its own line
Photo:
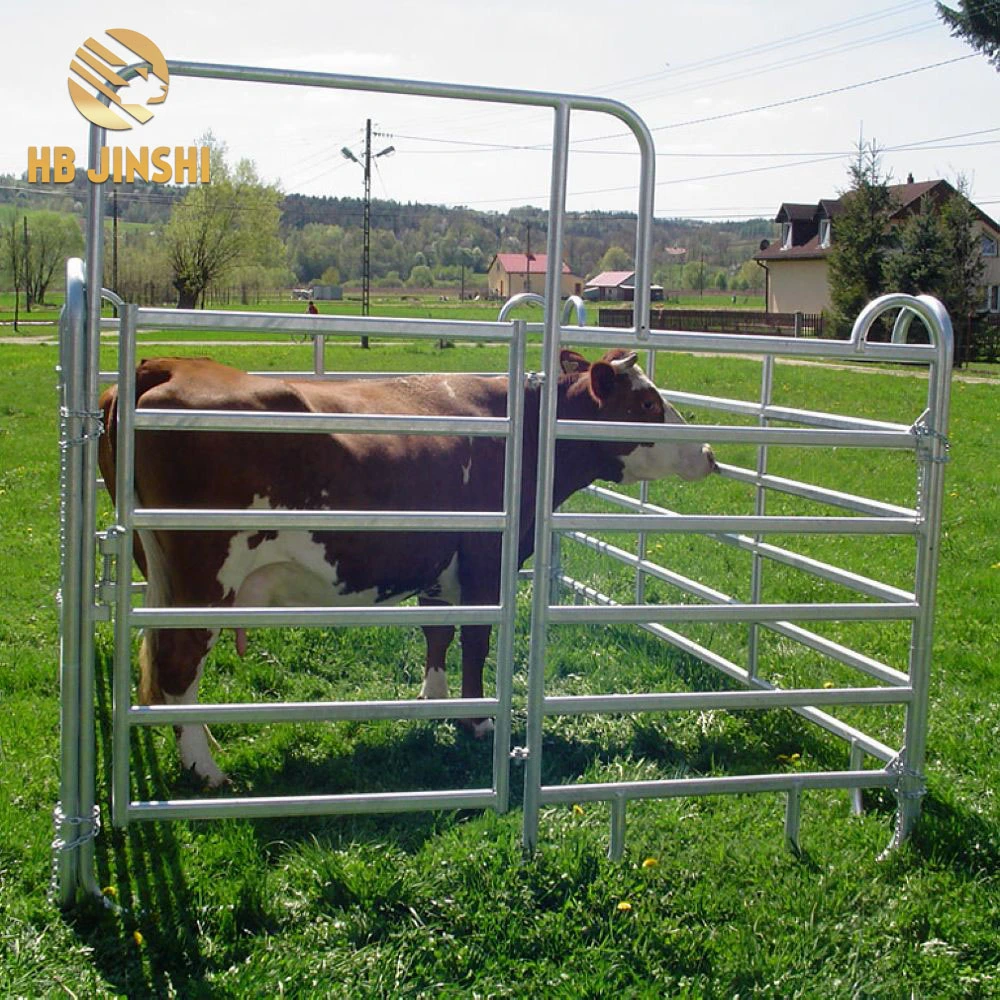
96 65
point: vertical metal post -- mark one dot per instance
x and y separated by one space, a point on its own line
760 508
121 689
71 329
88 501
857 760
509 566
616 844
793 817
542 582
932 455
640 576
644 228
319 354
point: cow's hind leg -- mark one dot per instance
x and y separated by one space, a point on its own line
172 661
438 639
475 647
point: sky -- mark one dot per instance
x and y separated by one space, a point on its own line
750 104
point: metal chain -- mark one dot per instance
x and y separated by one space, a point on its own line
93 418
926 435
91 826
910 784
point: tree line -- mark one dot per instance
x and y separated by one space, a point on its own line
178 242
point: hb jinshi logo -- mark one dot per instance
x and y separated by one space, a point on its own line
96 65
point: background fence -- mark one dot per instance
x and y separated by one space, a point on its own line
722 321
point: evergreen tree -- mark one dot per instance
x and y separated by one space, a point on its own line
978 23
963 256
919 264
861 239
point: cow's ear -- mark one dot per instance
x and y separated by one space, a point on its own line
572 363
602 380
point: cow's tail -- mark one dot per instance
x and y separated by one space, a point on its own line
107 446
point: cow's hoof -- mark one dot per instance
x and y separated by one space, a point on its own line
479 728
210 778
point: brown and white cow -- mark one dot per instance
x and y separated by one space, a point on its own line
192 469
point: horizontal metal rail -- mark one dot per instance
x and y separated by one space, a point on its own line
861 584
268 322
749 345
819 494
787 414
317 423
730 785
690 701
622 614
725 666
593 430
365 803
312 711
714 524
485 614
794 560
183 519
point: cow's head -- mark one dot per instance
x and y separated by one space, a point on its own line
622 391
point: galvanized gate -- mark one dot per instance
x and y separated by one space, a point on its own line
84 601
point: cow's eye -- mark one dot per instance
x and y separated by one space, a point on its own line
647 404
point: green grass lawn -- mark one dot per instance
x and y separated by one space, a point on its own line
708 902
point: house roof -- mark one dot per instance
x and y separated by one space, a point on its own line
612 279
520 263
905 196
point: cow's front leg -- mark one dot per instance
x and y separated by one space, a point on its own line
438 639
475 647
172 662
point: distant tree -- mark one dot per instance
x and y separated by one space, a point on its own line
918 264
421 277
751 274
695 275
862 238
964 264
331 276
721 282
12 250
232 222
615 259
52 237
978 23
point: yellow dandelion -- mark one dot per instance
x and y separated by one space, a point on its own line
828 684
110 890
137 938
577 809
624 907
650 863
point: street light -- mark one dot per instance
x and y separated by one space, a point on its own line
366 166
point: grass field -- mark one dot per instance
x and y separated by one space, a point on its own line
707 903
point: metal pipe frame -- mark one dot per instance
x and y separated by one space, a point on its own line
79 360
926 437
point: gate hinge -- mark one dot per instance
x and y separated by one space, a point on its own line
926 436
910 784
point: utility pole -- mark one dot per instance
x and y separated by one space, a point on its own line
27 268
114 240
366 166
527 261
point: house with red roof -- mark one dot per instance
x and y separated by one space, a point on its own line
617 286
512 273
796 264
